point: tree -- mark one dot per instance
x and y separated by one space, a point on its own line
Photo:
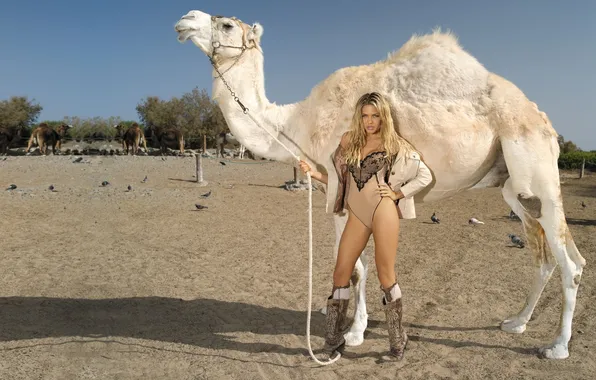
195 114
19 111
567 146
561 141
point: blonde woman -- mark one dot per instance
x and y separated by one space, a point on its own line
376 169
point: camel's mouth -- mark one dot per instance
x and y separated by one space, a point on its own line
197 27
184 30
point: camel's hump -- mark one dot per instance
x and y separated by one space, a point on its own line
435 66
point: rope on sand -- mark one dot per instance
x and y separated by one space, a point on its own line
312 355
245 110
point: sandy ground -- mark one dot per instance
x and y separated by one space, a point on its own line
101 283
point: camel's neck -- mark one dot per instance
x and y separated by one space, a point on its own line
246 79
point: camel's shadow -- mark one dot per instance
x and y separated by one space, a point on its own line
202 322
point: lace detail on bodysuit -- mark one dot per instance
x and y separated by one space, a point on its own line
369 166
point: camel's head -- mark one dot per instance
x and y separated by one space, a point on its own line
63 129
223 37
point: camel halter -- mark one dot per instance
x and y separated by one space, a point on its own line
217 44
245 110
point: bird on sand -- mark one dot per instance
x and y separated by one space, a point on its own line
434 218
516 240
475 222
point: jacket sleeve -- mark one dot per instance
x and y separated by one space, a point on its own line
423 177
341 167
339 161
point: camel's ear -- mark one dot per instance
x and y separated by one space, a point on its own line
255 32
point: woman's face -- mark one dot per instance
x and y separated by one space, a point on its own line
371 119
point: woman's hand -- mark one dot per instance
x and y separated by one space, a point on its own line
305 167
386 191
314 174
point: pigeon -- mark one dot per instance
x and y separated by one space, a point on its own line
206 194
434 218
200 207
516 240
144 179
78 159
11 187
223 163
129 188
475 221
51 188
584 205
105 183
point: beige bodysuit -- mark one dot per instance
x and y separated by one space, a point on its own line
363 196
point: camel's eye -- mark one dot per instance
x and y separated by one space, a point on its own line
227 26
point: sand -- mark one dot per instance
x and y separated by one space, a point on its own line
104 283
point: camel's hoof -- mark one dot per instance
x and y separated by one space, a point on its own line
513 326
556 351
354 338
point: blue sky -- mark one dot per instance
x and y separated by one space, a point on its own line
100 58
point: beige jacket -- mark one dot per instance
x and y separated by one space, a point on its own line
408 174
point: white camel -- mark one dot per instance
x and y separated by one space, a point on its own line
474 129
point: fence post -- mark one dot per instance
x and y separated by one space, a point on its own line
581 172
199 169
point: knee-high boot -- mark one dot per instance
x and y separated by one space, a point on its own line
335 324
398 338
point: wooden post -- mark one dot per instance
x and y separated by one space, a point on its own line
581 172
199 173
295 175
204 142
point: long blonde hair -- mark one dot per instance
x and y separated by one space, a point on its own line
392 143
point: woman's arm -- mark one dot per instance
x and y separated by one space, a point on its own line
338 161
422 179
319 177
305 167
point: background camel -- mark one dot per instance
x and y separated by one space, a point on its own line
166 138
43 136
474 129
8 136
132 137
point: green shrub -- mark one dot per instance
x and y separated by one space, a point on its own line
573 160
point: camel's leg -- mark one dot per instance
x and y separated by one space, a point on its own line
30 143
532 163
355 335
42 145
543 262
571 263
